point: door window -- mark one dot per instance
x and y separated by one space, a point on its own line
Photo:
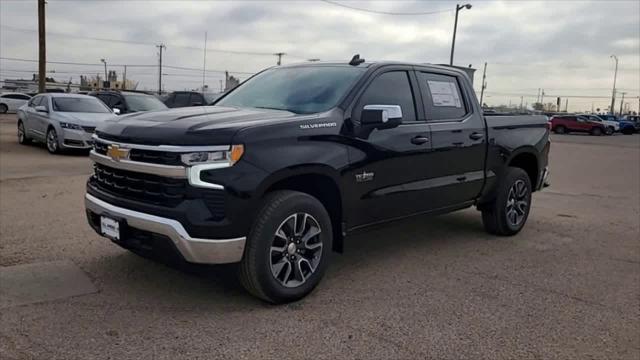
105 98
181 100
391 88
35 101
443 99
196 99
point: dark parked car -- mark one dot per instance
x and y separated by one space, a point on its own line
128 101
563 124
630 124
179 99
287 165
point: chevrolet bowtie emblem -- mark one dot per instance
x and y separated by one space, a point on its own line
116 153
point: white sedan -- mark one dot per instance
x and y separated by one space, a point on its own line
61 121
10 102
609 125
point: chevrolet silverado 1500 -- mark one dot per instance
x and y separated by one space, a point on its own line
281 170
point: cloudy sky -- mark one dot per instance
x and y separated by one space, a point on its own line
561 46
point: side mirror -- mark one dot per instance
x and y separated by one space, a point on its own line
381 115
116 111
41 108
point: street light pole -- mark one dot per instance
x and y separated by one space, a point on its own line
615 75
455 29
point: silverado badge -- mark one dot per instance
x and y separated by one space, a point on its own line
116 153
364 177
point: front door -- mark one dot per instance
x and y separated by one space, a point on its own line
387 163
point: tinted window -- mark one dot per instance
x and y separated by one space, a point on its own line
143 102
77 104
301 89
105 98
391 88
196 99
169 100
16 96
442 96
181 100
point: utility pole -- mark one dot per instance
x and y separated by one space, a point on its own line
538 97
42 48
204 62
566 105
124 78
484 84
542 98
615 75
622 102
160 47
279 55
106 77
455 29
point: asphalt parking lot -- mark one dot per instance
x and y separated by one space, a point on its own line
566 287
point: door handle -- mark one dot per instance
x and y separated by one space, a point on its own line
476 136
419 140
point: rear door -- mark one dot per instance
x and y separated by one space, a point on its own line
383 181
182 99
196 100
458 139
30 117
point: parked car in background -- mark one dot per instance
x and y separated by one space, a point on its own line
630 124
10 102
61 121
128 101
608 117
611 126
564 124
189 98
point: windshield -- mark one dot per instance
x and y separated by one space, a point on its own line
76 104
302 90
144 103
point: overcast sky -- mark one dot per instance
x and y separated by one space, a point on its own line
561 46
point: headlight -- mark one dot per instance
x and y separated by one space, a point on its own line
224 158
70 126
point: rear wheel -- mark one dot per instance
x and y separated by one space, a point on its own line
560 129
508 213
288 247
3 109
596 131
22 134
610 130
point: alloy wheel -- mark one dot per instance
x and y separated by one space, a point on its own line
517 203
296 250
52 141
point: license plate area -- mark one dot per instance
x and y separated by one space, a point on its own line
110 227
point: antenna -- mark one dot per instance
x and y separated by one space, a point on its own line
355 60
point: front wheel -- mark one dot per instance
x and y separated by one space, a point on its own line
560 130
288 247
52 141
610 130
508 213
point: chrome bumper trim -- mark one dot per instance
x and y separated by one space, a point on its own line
195 250
168 148
178 172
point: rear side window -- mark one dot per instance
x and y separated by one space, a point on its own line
197 99
181 100
391 88
16 97
106 99
443 99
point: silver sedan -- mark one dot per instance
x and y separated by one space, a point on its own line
61 121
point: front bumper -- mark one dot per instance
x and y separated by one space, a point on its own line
195 250
76 139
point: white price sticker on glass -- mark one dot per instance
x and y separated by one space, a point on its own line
444 93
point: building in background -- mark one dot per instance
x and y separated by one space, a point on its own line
230 81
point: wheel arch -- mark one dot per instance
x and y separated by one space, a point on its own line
527 160
319 181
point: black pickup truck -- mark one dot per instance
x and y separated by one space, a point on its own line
279 171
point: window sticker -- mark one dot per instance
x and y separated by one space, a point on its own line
444 93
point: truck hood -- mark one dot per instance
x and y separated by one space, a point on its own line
201 125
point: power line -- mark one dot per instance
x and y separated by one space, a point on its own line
386 12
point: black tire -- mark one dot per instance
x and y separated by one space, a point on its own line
22 135
560 129
596 131
52 146
256 270
610 130
495 216
3 109
627 131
